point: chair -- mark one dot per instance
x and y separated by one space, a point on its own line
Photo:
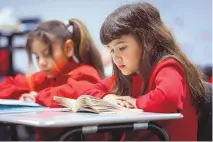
205 116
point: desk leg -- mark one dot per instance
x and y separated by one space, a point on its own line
74 134
157 129
77 133
14 133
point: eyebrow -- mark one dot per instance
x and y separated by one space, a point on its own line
44 50
119 42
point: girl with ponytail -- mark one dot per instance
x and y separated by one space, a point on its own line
69 63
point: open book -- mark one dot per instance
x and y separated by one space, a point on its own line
86 103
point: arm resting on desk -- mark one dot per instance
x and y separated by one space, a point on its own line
72 89
12 88
100 89
168 94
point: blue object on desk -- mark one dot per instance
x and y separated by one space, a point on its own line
11 102
18 108
12 106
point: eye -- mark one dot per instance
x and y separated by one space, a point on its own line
37 58
122 48
111 51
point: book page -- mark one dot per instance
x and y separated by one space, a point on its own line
82 105
86 103
66 102
98 105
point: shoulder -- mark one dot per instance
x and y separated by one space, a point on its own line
169 67
85 69
85 72
168 63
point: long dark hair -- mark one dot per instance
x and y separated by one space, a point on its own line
84 47
143 21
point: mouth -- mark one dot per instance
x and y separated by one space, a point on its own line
121 66
47 71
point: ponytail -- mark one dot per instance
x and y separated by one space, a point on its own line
84 48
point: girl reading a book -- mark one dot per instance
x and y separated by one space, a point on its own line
150 72
69 63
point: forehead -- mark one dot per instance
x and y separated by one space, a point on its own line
39 44
122 40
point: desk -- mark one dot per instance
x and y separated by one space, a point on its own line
92 123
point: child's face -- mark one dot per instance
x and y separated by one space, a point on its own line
49 64
126 53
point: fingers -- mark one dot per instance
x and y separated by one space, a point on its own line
123 101
28 97
110 98
124 104
21 98
130 100
33 93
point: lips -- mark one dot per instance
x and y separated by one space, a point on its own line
47 71
121 66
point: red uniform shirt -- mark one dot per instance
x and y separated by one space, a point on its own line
210 80
70 85
167 92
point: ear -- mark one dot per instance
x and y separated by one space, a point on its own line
69 48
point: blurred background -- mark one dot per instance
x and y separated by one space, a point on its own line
190 21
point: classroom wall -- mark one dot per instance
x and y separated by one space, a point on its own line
189 20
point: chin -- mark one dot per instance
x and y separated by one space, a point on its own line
126 73
50 76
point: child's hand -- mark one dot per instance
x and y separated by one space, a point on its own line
31 96
111 98
128 99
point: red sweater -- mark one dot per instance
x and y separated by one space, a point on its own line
70 85
210 80
167 93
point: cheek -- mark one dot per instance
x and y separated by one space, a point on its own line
60 60
134 60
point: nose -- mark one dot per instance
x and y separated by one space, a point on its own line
43 62
117 58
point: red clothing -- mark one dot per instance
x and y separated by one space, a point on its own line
210 80
4 62
70 85
167 92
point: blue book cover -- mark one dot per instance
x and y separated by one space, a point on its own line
11 103
10 106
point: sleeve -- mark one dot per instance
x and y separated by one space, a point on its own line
100 89
14 87
168 94
73 88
